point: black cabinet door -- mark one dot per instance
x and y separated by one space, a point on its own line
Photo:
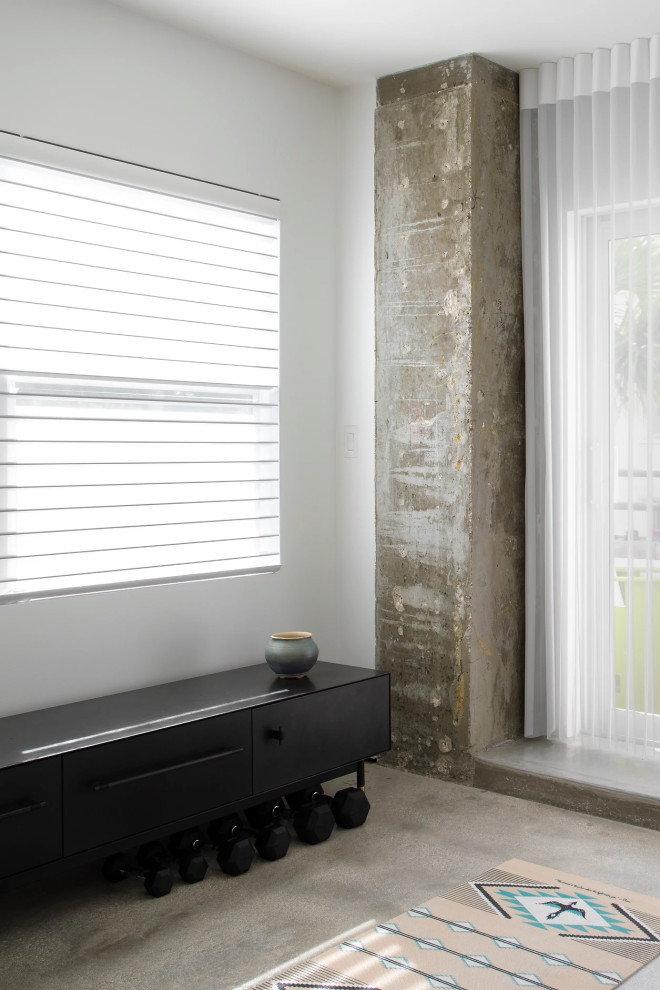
312 734
30 815
122 788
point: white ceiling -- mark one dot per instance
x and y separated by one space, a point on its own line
347 41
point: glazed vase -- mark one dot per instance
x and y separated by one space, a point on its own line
291 654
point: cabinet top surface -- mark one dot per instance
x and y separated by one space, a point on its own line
53 731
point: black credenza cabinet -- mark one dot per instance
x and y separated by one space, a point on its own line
83 780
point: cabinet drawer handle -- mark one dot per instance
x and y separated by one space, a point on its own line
21 809
105 785
277 733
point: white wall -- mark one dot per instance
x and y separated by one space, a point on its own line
99 78
356 537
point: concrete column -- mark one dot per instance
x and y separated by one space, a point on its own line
449 411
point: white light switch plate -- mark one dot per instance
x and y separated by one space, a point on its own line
350 441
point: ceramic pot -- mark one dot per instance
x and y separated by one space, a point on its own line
291 654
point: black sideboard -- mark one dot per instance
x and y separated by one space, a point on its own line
83 780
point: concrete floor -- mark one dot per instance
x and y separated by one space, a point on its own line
423 837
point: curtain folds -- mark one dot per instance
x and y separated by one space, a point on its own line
590 160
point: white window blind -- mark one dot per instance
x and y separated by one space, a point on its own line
138 380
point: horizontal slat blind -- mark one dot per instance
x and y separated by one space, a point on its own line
138 385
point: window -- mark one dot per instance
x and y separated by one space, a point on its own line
622 258
138 376
635 325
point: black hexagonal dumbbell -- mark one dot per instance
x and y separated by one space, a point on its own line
350 807
271 834
157 871
153 868
231 837
119 867
186 848
313 820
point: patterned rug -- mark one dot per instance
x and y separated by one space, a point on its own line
519 925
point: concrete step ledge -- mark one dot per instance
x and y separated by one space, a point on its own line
493 772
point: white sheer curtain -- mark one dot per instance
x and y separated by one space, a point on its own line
590 132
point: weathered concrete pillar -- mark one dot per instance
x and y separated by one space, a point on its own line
449 411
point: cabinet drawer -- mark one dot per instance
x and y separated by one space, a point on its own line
318 732
132 785
30 815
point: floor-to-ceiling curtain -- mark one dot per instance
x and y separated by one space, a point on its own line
590 154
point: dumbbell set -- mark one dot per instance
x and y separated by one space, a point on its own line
237 838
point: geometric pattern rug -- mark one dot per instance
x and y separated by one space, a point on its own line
519 925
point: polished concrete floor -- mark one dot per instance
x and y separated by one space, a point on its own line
423 836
